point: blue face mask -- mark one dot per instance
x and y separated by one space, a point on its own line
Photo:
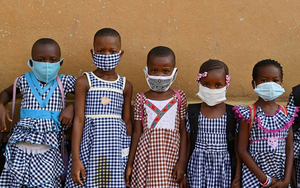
43 71
269 91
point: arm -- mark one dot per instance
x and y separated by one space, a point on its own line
238 172
81 88
243 138
180 167
5 97
126 107
137 131
67 114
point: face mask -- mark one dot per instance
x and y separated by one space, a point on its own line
160 83
44 71
106 62
212 97
269 91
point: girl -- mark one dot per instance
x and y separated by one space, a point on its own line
265 138
294 100
100 144
158 148
33 156
212 130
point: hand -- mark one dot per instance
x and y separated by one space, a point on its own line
279 184
178 172
128 172
236 183
66 115
183 183
3 114
274 181
77 169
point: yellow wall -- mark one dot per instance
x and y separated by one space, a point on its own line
239 32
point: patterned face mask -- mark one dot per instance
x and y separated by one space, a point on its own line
106 62
160 83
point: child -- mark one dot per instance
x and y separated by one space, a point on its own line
158 147
100 144
294 100
265 138
33 156
212 130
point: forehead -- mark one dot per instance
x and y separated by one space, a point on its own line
167 61
44 49
107 41
215 75
268 71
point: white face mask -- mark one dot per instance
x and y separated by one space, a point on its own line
212 97
160 83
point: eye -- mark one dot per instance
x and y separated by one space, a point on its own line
166 71
53 60
100 51
206 85
113 52
40 60
218 85
263 80
277 81
153 70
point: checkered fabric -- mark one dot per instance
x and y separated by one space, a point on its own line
158 150
209 165
42 168
270 160
106 62
103 137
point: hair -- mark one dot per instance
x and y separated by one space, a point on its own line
45 41
213 64
107 32
264 63
161 51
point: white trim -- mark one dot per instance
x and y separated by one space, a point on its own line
104 116
88 77
106 89
114 81
124 82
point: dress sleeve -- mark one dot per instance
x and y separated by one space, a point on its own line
183 105
21 82
187 124
68 82
137 107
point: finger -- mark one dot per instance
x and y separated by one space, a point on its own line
174 173
60 118
65 121
8 117
69 123
82 171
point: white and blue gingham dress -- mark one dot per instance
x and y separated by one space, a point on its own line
209 164
42 169
104 144
271 160
296 142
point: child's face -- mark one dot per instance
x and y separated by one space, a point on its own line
107 45
46 53
268 74
160 66
215 79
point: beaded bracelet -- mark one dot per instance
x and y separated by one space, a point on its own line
267 182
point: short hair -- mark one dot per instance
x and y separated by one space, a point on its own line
264 63
107 32
213 64
45 41
161 51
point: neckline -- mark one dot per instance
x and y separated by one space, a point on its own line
108 81
213 118
270 115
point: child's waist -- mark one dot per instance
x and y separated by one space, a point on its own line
211 147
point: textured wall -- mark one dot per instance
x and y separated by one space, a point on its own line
239 32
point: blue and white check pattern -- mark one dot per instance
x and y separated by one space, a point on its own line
270 161
103 138
43 168
209 165
106 62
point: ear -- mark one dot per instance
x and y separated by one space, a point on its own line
61 62
122 52
253 84
30 62
92 53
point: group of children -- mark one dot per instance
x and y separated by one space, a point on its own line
209 144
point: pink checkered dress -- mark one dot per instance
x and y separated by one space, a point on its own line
158 147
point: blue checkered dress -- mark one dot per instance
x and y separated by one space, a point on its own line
104 137
270 159
42 169
296 142
209 165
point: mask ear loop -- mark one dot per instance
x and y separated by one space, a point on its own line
174 75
